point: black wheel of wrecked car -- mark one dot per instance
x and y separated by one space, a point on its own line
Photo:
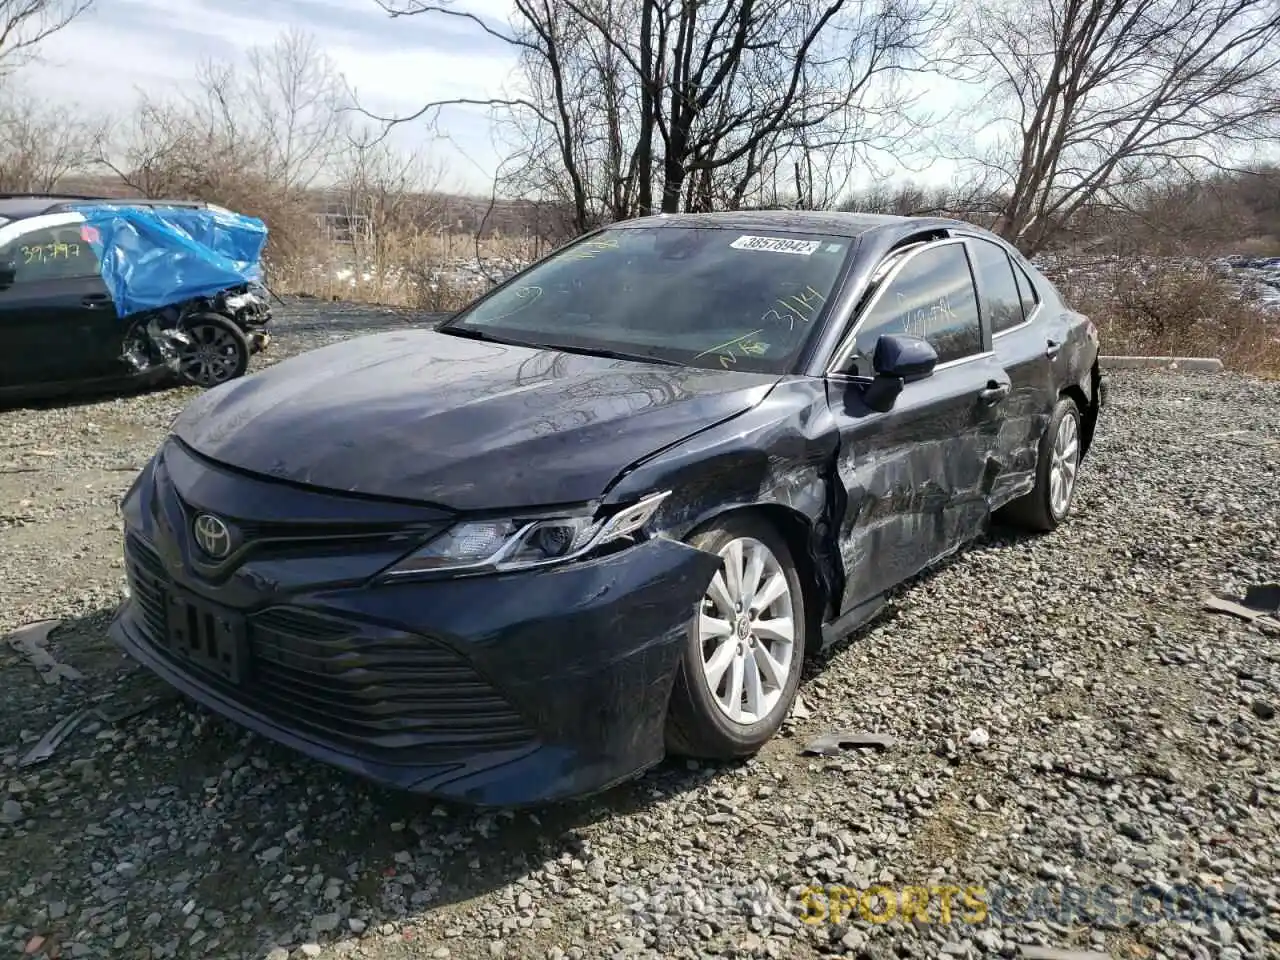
218 351
1049 503
745 645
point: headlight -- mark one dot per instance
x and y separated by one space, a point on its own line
497 546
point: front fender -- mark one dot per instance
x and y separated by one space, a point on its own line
778 457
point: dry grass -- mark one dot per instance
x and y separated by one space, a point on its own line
426 271
1268 246
1169 308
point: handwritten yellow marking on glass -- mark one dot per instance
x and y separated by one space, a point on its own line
43 252
774 316
801 306
806 303
724 351
592 247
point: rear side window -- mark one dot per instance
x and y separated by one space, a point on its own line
931 298
1001 298
51 253
1026 291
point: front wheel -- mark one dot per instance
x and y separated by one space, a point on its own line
218 351
1049 503
744 647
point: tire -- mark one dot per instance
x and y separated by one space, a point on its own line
219 351
698 719
1043 509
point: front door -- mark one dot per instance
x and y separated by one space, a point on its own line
57 321
916 479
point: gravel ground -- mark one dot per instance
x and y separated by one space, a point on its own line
1064 716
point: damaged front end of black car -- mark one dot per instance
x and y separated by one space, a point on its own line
312 617
204 341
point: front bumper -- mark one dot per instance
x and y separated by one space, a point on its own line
497 691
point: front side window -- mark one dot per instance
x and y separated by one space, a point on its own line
1001 299
705 297
51 253
932 297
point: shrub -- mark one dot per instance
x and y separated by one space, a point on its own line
1174 308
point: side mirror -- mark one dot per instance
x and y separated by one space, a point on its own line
902 357
8 273
898 360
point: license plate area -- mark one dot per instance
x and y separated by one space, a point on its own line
211 638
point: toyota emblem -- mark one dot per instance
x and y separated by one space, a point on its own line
213 536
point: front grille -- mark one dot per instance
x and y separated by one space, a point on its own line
395 692
321 675
147 585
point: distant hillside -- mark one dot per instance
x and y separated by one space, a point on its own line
442 212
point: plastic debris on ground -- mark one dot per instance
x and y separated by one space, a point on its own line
1260 605
30 640
833 744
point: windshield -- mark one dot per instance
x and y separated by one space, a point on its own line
705 297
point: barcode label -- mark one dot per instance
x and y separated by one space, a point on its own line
777 245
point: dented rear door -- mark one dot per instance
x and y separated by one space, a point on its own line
1027 346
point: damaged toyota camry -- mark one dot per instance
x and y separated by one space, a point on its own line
606 511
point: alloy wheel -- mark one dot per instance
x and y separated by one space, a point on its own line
747 633
211 357
1063 466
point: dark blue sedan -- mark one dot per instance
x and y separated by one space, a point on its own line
605 512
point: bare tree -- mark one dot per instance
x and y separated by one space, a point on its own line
40 145
967 198
689 104
295 102
25 23
1095 98
254 136
385 196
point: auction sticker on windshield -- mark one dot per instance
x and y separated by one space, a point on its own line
776 245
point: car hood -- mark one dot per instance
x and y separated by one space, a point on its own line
467 424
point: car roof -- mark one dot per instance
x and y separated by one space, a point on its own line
19 206
830 223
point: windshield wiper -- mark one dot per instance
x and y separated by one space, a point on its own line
471 333
616 354
474 334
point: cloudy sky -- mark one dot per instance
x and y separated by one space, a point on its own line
121 46
102 60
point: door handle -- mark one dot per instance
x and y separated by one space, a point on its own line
1052 349
95 301
994 392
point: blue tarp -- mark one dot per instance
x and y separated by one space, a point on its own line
154 257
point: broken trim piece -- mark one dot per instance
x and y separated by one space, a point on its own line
833 744
1260 606
30 640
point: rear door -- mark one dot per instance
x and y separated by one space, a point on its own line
1011 309
57 321
917 478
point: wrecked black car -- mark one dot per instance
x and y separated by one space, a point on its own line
606 511
97 293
